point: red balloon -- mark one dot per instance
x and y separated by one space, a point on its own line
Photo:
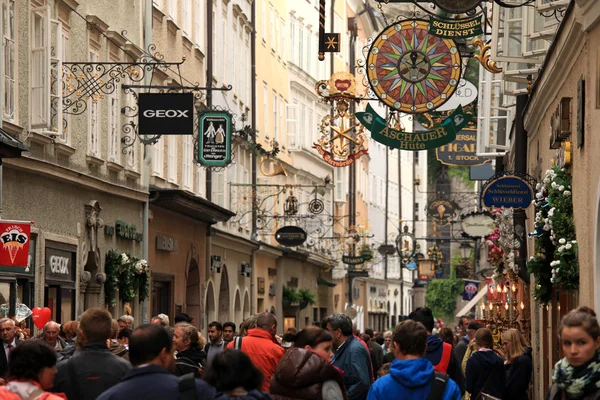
40 316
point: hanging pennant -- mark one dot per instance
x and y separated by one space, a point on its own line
414 141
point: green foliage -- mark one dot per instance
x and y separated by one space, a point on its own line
127 275
307 297
290 295
441 296
463 175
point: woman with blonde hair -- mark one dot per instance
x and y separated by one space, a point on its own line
518 365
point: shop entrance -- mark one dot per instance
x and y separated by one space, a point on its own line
162 294
59 293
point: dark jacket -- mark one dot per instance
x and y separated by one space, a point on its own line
153 382
376 353
3 360
301 374
518 375
410 379
119 350
461 348
190 360
63 344
482 367
389 357
89 372
252 395
353 358
435 347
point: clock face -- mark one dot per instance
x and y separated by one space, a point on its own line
411 70
457 6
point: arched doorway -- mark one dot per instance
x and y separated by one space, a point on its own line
211 309
224 296
246 305
237 319
192 291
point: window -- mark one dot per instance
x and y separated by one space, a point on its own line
172 159
93 122
186 19
158 160
113 127
266 110
281 124
131 150
224 46
277 33
275 117
8 13
292 41
272 25
301 46
58 89
263 19
218 188
416 211
214 41
187 171
282 38
172 9
199 24
309 56
200 181
40 68
292 126
341 184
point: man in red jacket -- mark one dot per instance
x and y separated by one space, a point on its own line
262 347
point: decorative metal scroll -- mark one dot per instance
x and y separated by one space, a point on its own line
484 56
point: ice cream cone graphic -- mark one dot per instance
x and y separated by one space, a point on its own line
441 210
13 249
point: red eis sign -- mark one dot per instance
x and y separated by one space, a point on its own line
14 237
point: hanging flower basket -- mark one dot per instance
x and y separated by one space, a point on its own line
127 275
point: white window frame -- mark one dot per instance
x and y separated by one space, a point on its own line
277 23
132 152
309 55
300 61
39 95
263 20
541 5
187 172
224 41
9 61
172 159
199 24
266 110
113 128
218 189
65 137
186 20
200 181
94 148
282 105
158 158
292 127
341 184
172 9
275 116
292 51
271 26
282 38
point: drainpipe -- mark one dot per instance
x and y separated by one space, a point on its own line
254 155
147 154
519 216
209 81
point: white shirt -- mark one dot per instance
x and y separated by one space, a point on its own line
13 344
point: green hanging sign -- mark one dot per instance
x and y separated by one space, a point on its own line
413 141
455 29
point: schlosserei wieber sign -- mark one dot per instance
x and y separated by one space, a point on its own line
214 138
413 141
462 151
508 189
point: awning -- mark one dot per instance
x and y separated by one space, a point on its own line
188 204
10 147
482 292
323 282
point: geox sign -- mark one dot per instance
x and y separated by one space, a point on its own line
166 114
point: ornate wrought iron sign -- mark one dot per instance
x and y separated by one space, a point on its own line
214 138
508 189
166 113
415 141
477 225
411 70
353 260
442 211
328 42
456 29
405 244
291 236
457 6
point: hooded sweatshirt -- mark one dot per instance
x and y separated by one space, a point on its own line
435 349
485 373
410 380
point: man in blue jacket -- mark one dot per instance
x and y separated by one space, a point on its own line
150 351
411 375
350 356
441 354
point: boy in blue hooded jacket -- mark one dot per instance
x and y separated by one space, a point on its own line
411 375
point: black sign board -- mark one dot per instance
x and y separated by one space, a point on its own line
290 236
353 260
60 262
214 139
457 6
461 151
166 114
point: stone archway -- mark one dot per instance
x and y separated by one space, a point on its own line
211 309
246 308
192 291
237 308
224 307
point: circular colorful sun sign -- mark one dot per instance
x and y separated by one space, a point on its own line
411 70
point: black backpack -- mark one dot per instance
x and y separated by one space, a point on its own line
438 386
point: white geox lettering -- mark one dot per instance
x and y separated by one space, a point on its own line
166 113
59 265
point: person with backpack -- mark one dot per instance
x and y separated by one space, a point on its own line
412 376
151 353
441 354
190 357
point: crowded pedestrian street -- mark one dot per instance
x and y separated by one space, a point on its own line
299 199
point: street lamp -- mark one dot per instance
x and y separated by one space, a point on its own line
465 250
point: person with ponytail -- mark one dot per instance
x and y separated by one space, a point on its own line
305 370
577 375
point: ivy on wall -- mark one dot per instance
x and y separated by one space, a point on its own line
441 296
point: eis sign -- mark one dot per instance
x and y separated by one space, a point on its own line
14 237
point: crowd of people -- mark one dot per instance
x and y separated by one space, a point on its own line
98 357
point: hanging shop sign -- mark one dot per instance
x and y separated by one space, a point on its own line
457 6
405 244
411 266
441 211
426 269
470 290
353 260
166 113
509 190
342 136
414 141
477 224
465 94
290 236
411 70
564 156
214 139
456 29
60 261
15 237
462 151
328 42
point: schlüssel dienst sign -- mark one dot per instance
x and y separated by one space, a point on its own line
507 191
